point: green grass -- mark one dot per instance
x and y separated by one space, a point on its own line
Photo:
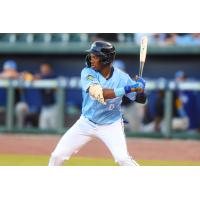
168 163
30 160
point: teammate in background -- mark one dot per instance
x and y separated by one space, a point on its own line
10 71
180 120
133 113
180 99
103 87
48 118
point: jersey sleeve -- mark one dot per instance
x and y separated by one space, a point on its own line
132 95
88 78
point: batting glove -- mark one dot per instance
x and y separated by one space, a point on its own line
137 87
141 81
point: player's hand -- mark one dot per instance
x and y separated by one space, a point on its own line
137 87
96 92
141 81
27 76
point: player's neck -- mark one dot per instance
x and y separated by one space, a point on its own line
106 71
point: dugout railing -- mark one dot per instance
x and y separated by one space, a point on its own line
62 84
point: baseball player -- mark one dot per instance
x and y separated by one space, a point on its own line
103 87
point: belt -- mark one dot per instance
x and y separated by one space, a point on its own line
89 120
93 122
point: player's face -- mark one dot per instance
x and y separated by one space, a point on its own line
95 62
45 69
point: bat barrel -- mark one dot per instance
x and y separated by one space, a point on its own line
143 52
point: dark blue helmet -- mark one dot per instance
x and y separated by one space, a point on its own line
104 50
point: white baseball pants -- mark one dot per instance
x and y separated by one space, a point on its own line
83 131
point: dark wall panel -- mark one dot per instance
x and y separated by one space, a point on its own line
70 65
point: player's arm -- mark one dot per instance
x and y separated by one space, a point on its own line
91 85
101 94
113 93
139 97
109 94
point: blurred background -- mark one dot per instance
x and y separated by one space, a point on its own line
46 70
40 89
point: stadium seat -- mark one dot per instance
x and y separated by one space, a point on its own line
125 37
59 37
42 37
78 37
7 37
24 37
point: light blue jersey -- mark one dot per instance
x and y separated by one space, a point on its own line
91 108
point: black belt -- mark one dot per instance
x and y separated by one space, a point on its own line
93 122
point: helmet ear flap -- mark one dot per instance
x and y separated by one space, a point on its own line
103 60
107 59
88 60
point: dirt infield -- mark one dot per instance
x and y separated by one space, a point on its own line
141 149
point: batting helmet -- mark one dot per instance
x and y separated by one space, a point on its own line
104 50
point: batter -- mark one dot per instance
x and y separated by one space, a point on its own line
103 87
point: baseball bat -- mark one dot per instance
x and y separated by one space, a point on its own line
143 53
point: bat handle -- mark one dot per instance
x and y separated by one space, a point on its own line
136 90
141 69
